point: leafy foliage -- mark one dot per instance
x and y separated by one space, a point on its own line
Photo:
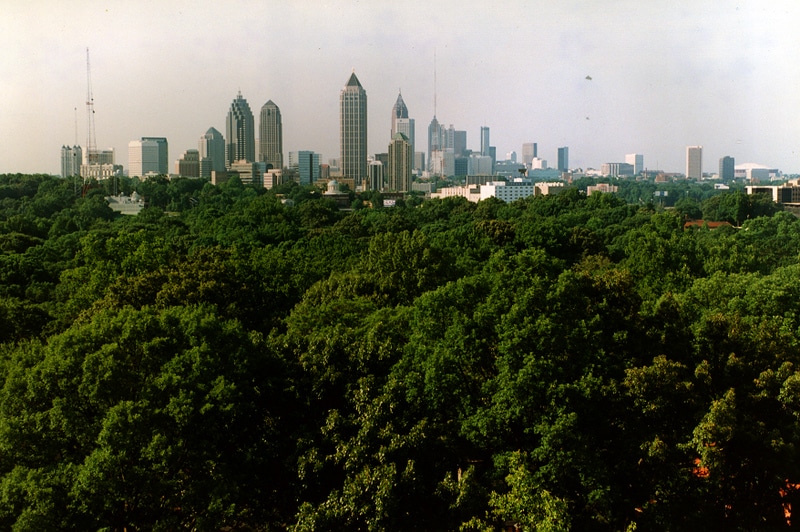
228 360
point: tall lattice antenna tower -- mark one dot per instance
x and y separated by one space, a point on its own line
91 146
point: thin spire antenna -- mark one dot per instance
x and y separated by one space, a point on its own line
76 126
91 147
434 82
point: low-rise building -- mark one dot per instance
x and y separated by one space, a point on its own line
507 191
127 205
616 169
601 187
788 194
755 172
189 164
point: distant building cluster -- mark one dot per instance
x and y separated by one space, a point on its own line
402 168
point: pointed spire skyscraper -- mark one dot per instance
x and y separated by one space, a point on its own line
353 131
399 110
401 123
240 134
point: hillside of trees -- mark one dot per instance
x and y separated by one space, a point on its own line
223 361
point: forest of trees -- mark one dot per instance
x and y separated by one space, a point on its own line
223 361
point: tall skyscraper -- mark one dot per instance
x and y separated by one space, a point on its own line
163 154
460 143
726 168
435 142
401 161
399 111
484 140
143 158
529 151
637 160
71 160
240 134
486 148
563 159
212 152
306 164
450 138
271 136
694 162
353 130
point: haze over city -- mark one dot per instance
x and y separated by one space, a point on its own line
605 79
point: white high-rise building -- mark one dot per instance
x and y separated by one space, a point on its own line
143 158
538 164
637 161
71 160
694 162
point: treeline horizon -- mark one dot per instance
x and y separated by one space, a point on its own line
225 361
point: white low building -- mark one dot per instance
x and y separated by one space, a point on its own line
471 192
507 191
755 172
128 205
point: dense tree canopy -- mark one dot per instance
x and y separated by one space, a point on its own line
228 359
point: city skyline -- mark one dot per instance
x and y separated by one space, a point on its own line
701 73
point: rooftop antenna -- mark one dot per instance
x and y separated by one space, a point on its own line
434 82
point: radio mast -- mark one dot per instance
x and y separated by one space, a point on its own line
91 146
434 82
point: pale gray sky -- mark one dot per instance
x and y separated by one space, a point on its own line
719 73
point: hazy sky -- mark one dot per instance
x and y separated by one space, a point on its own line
664 75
